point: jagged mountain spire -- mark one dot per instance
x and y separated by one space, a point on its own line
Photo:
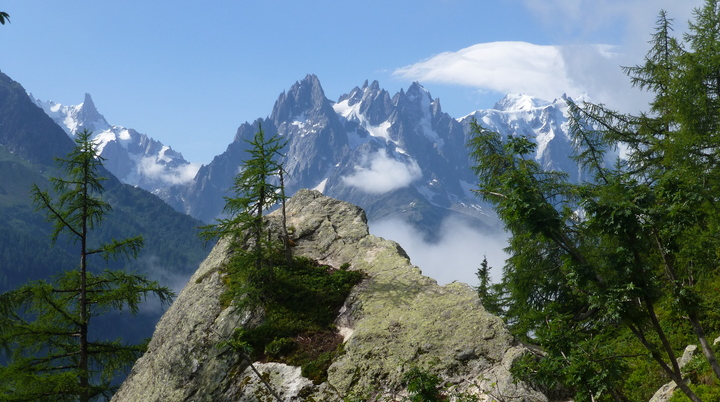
133 157
88 117
305 95
385 153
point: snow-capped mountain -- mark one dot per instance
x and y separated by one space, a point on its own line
395 156
545 122
133 157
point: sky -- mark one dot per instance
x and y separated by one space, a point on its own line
188 73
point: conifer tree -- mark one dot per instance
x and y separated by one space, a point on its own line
257 188
48 352
634 249
490 293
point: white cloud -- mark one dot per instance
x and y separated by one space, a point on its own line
455 257
580 62
507 67
380 173
632 20
151 168
545 72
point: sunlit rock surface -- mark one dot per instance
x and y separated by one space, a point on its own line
395 320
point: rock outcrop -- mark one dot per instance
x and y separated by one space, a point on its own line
394 320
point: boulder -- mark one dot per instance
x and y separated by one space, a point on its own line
394 320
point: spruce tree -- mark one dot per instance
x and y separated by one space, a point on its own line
48 351
634 249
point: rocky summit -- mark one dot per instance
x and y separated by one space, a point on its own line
395 320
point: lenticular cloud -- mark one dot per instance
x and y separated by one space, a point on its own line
380 173
505 67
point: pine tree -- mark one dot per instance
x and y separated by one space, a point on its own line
45 326
631 250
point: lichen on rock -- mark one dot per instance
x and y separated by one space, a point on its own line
394 320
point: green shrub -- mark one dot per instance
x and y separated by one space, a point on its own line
300 303
422 385
280 347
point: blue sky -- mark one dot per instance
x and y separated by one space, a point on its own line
188 73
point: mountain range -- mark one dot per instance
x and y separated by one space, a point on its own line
396 156
30 141
132 157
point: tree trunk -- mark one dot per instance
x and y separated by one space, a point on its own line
704 345
286 237
83 304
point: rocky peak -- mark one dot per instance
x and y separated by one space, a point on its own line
395 320
87 116
303 97
376 104
416 96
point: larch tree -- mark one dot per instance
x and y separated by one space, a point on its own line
257 188
635 248
48 353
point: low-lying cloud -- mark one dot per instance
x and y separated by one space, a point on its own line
379 173
455 257
151 168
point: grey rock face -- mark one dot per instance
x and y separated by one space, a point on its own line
404 141
394 320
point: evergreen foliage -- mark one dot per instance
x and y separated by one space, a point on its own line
48 352
256 189
422 386
299 307
630 254
26 252
491 294
299 298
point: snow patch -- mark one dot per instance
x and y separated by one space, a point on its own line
321 187
343 108
352 113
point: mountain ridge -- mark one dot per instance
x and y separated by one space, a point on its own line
30 142
134 157
392 155
398 155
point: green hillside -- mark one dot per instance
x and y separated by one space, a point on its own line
29 143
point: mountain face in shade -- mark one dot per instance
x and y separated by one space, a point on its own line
396 156
29 143
24 132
